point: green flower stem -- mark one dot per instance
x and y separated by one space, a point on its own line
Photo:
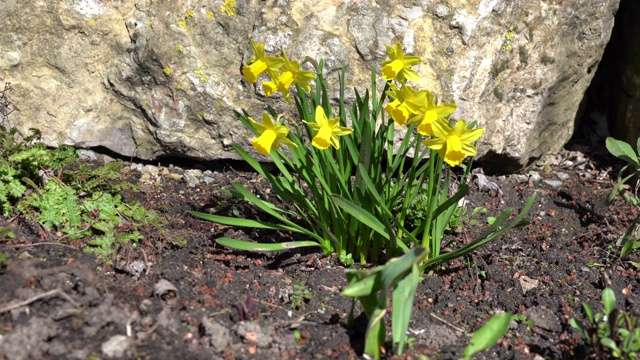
431 195
413 187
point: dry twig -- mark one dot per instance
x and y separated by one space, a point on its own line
53 292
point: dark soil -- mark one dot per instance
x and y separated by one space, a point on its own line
203 301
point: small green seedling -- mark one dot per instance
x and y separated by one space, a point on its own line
613 333
298 336
524 320
301 294
3 258
620 149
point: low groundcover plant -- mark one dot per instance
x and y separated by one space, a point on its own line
350 189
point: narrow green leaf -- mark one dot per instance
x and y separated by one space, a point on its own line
622 150
496 229
398 268
488 334
366 286
608 300
233 221
249 159
452 201
362 215
376 333
589 312
403 297
608 342
251 246
263 205
577 325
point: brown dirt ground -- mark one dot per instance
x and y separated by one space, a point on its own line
203 301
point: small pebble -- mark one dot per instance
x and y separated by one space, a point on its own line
562 176
534 176
553 183
118 346
192 177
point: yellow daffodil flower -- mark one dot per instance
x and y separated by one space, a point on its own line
269 87
291 74
399 65
426 112
259 63
327 130
399 109
271 135
453 144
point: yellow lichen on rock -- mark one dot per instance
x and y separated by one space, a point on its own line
201 76
229 7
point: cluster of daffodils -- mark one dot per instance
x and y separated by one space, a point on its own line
281 70
283 74
408 106
420 108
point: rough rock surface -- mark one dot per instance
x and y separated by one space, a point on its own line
162 78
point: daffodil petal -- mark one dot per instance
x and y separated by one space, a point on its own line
410 75
259 127
440 128
459 128
472 135
341 130
258 49
445 110
321 116
411 60
267 121
398 50
435 144
469 150
273 63
282 131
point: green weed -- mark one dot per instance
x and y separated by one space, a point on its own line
63 194
613 333
301 294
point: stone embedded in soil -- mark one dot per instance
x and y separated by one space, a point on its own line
117 346
438 336
254 333
528 283
545 319
30 341
192 177
219 335
553 183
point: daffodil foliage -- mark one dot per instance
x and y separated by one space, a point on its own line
339 173
346 186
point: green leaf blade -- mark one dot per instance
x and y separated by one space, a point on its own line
622 150
251 246
488 334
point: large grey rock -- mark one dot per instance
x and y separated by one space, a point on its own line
162 78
